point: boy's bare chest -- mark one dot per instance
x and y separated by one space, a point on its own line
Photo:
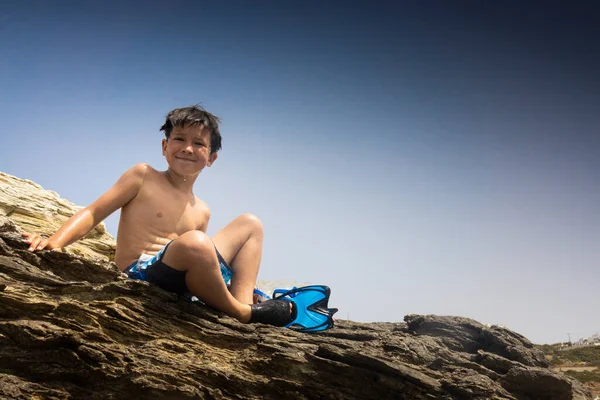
172 217
169 215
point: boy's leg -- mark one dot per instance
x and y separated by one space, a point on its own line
194 252
240 244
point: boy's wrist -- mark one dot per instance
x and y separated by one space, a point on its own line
54 243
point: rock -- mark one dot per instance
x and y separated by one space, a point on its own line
466 335
75 327
34 209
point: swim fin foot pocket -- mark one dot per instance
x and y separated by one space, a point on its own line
274 312
311 311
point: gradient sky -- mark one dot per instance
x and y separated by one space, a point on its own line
417 157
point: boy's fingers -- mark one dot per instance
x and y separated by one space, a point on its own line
34 243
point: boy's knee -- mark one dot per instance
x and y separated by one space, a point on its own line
254 222
197 242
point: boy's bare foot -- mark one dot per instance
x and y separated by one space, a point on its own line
259 297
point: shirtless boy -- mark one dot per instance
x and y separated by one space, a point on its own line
162 229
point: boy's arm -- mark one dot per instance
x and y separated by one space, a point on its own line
80 224
205 217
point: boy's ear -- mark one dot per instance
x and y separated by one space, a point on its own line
211 159
164 146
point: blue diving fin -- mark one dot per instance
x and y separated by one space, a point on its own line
313 313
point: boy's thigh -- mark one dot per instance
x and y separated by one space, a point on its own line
232 238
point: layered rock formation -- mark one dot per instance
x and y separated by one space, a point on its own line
73 327
34 209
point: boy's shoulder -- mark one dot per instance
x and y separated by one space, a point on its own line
137 177
144 173
143 169
151 177
139 172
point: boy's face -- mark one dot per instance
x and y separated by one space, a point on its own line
188 150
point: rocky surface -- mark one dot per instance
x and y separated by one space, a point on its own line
32 208
73 327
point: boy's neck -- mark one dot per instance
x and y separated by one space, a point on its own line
182 182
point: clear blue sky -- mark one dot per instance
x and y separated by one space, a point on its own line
418 157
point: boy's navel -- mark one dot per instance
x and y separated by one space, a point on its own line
159 215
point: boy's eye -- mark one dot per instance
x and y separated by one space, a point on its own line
200 144
178 139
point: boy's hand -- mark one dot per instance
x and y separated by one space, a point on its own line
37 242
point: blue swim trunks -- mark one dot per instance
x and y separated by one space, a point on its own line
152 269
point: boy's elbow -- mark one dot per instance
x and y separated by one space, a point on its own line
89 214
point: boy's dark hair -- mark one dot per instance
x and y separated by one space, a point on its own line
194 116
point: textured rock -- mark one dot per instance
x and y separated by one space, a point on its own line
34 209
72 327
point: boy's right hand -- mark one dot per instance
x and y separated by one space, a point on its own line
37 242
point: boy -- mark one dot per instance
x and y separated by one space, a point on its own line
161 236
